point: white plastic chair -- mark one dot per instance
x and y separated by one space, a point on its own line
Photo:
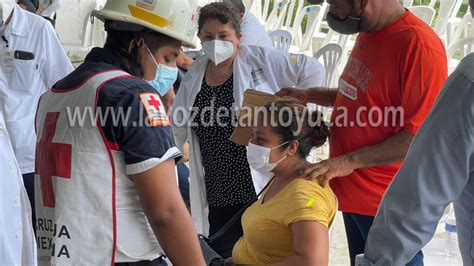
281 16
456 8
329 55
266 8
453 22
255 7
295 28
464 29
275 19
289 13
315 15
273 15
464 47
294 4
407 3
432 3
344 41
445 9
281 39
425 13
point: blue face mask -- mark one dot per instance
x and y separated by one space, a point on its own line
165 76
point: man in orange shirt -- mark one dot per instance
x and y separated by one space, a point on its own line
393 76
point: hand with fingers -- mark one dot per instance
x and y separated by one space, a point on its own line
185 155
297 93
326 170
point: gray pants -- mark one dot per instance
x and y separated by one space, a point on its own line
464 210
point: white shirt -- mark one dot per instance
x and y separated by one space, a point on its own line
17 241
253 33
21 88
439 169
262 69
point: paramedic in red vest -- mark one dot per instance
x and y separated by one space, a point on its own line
106 189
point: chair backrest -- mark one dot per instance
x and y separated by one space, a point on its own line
464 46
425 13
464 29
407 3
266 8
456 7
273 15
291 15
255 7
330 55
281 16
276 16
432 3
331 36
315 15
281 39
445 10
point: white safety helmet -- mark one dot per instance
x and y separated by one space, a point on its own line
174 18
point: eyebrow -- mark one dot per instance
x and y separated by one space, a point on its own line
220 32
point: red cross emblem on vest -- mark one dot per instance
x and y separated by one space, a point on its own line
52 159
155 109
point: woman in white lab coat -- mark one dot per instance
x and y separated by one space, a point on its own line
221 180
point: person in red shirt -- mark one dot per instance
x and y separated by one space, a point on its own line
393 76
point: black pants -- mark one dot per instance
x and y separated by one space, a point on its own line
157 262
357 230
218 217
29 181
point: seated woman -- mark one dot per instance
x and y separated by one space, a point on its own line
288 225
221 180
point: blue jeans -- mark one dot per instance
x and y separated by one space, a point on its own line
183 182
357 229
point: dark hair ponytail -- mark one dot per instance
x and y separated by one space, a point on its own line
320 130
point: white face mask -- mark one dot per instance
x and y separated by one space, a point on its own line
218 51
258 157
6 8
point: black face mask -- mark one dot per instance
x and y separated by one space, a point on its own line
347 26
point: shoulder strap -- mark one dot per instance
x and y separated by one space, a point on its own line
237 216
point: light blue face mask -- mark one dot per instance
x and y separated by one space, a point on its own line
165 76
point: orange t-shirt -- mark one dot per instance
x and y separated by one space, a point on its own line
403 65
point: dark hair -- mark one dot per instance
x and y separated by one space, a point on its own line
238 4
120 39
31 5
314 131
226 13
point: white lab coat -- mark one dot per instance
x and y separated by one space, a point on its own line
262 69
21 87
439 169
17 240
254 33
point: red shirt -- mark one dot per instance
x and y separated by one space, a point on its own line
403 65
